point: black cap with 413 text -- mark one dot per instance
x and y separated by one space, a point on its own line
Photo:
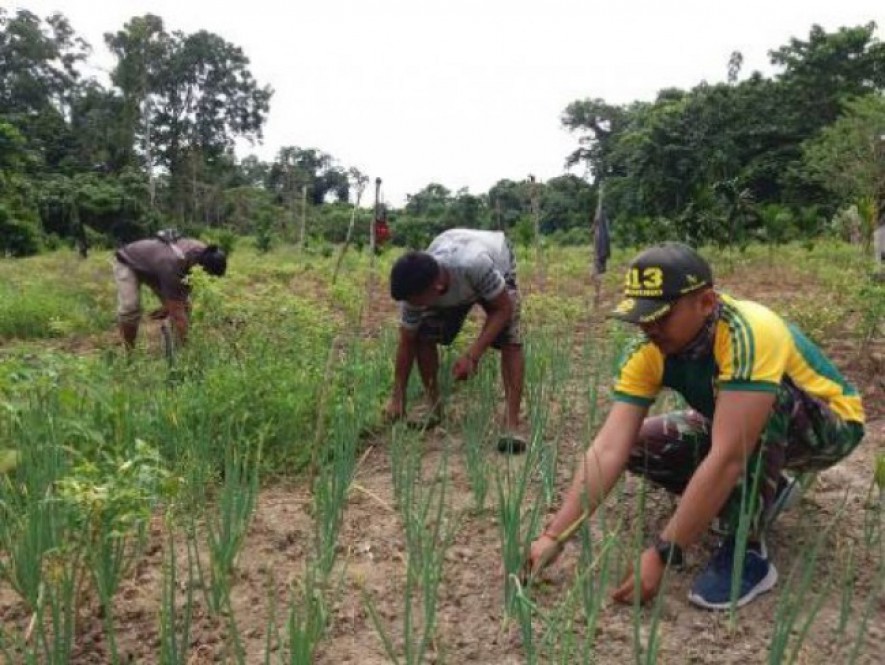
658 277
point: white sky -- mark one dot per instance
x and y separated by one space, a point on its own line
465 92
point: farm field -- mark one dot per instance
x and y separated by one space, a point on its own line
244 503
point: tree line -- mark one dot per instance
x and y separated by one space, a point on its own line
774 158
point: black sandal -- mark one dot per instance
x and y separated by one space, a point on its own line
428 422
510 444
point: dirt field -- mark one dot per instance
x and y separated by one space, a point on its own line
472 626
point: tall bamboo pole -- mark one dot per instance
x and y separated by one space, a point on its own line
303 218
374 218
293 209
359 194
370 281
536 218
595 276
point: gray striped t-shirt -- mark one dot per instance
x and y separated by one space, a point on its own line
480 263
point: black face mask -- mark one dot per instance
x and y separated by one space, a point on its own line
702 344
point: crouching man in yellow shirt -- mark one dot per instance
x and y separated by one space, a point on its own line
762 400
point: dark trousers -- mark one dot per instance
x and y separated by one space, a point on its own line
802 435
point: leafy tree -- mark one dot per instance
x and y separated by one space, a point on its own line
96 205
740 215
295 168
101 138
241 207
508 201
599 122
434 209
19 234
13 154
735 63
252 172
705 158
524 231
39 65
195 94
142 51
264 229
778 223
429 202
466 210
39 79
567 202
820 73
848 157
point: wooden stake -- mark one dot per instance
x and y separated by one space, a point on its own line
370 282
536 215
303 217
361 186
372 240
595 277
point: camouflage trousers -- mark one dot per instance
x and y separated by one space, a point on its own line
802 435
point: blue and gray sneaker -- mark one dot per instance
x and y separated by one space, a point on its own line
712 588
788 494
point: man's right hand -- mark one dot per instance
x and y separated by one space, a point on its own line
394 410
543 551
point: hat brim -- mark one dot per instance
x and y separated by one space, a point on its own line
641 310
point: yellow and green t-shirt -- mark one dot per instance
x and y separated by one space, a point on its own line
753 349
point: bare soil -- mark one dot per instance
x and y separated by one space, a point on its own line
472 626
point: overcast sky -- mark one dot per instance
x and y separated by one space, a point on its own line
465 92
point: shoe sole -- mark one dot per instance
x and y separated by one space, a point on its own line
766 584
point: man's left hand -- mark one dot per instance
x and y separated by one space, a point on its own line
651 571
464 367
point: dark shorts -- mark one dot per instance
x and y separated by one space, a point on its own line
443 325
802 435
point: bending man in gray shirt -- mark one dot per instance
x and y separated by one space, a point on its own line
436 289
162 263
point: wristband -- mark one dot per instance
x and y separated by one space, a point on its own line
669 553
